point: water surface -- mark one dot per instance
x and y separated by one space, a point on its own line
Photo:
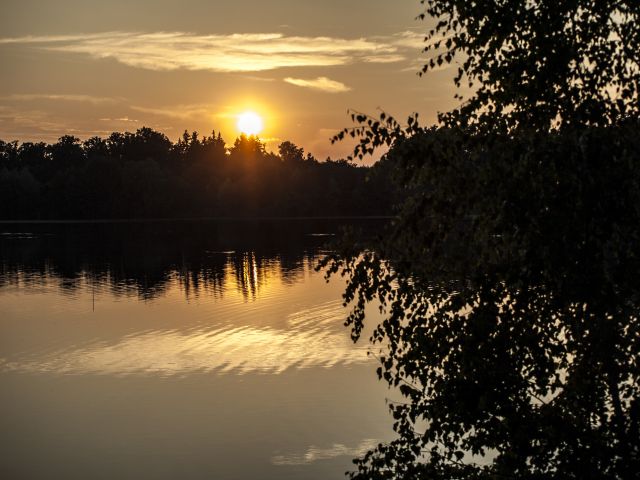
179 350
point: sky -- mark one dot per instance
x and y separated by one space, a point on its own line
91 67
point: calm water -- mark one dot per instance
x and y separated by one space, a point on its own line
179 350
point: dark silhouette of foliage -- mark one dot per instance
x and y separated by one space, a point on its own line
539 63
289 152
145 175
509 281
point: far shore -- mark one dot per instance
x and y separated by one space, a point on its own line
194 219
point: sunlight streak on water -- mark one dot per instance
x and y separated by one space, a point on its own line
310 342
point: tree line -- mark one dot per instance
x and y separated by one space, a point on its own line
143 174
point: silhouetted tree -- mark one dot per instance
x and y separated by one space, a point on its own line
19 194
67 152
9 154
96 147
509 282
290 153
539 63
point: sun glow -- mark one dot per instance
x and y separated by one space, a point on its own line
250 123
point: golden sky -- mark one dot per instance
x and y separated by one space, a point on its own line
90 67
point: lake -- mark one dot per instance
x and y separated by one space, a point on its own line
184 350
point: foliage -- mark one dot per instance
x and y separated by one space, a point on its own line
509 288
144 175
508 283
539 63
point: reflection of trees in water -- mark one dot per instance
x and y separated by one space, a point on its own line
148 265
248 277
208 281
251 271
248 272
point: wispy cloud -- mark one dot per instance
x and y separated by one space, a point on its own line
416 67
29 97
181 112
321 83
391 58
120 119
408 39
240 52
412 39
314 453
38 125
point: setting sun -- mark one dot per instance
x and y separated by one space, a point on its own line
250 123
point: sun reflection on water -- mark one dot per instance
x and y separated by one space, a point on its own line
311 340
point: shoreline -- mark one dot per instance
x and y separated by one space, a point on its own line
193 219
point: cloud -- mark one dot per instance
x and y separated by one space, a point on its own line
321 83
49 38
383 58
408 39
416 67
38 125
182 112
239 52
229 53
413 40
314 453
120 119
28 97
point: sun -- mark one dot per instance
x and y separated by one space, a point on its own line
250 123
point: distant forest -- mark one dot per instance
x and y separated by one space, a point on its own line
145 175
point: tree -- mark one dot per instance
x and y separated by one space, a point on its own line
67 152
290 153
509 281
539 63
95 147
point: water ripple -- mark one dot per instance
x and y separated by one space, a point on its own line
308 342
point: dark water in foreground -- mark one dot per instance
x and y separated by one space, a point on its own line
178 350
